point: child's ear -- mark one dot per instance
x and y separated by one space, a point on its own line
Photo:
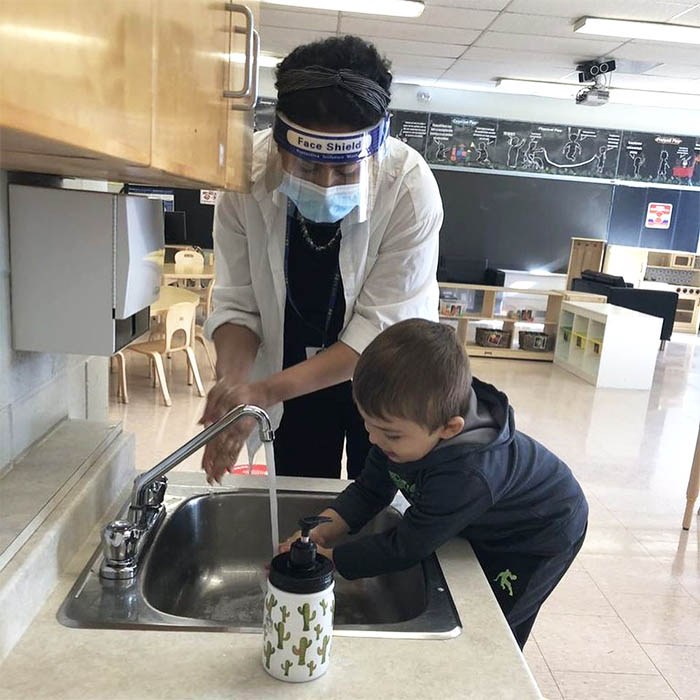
453 427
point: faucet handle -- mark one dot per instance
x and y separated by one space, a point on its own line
119 539
155 492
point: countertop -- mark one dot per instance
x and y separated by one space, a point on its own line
52 661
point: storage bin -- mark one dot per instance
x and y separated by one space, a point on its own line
493 338
536 342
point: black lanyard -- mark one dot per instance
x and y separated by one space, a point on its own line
335 285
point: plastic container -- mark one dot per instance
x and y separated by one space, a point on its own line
299 609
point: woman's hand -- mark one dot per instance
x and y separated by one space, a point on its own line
221 453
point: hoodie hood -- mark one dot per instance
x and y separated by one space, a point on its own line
488 422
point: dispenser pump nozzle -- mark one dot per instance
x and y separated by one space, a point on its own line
303 551
309 523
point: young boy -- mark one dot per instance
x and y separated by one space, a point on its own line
449 443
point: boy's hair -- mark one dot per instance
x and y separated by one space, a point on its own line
334 106
416 370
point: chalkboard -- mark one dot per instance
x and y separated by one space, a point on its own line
519 223
411 128
461 141
660 158
522 146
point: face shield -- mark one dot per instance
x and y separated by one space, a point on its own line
327 176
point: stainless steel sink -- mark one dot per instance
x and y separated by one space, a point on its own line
203 572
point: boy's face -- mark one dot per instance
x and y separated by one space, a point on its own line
402 440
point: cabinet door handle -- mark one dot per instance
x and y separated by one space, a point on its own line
249 104
250 58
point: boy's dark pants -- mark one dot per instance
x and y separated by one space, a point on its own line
522 582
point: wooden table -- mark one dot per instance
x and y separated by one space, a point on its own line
170 296
693 486
171 274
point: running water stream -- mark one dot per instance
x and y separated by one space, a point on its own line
272 487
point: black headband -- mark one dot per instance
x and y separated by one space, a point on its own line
314 77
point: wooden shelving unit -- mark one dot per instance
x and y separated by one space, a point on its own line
487 312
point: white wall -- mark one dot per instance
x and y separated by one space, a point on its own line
38 390
541 109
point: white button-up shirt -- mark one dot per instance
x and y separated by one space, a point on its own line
388 263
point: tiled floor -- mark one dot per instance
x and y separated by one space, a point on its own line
625 622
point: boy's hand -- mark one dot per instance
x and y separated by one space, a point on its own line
325 551
324 535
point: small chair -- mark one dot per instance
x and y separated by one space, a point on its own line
189 261
199 330
122 392
179 317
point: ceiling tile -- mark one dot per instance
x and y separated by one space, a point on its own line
416 48
547 44
659 52
649 82
650 10
437 16
403 30
691 18
476 70
456 17
298 19
281 41
670 70
471 4
404 76
500 56
537 24
404 61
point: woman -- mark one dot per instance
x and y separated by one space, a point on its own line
337 240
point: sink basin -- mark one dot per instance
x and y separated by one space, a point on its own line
204 568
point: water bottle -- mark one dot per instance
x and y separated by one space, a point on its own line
299 608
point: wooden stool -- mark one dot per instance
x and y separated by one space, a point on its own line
693 486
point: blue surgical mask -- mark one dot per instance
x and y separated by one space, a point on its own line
321 204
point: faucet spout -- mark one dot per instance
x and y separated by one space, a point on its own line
125 540
140 491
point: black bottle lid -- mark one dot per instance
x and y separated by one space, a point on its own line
303 569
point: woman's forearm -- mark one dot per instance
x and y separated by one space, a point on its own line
236 348
332 366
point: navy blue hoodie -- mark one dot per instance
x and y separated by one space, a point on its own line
504 492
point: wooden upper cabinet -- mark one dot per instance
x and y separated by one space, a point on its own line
240 119
127 90
189 109
75 79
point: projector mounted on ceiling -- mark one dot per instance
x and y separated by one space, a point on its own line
597 73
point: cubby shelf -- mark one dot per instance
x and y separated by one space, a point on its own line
608 346
488 300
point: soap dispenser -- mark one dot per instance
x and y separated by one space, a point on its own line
299 608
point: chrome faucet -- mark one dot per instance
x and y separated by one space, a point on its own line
123 541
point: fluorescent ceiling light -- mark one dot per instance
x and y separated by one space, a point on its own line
392 8
264 60
649 31
567 91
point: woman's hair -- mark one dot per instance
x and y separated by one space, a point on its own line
416 370
334 106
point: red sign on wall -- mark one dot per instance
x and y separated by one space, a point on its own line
659 215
